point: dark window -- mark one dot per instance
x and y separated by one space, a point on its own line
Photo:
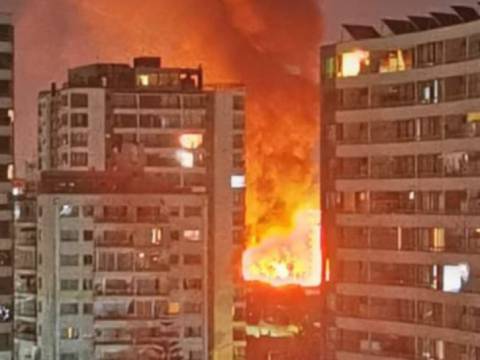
4 172
124 101
190 259
79 159
87 259
79 100
158 102
87 235
4 117
5 230
6 285
69 284
5 257
190 211
5 144
238 142
6 60
88 308
5 340
6 32
69 309
126 120
5 88
239 102
79 120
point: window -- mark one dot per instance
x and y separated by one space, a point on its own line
239 122
78 120
5 88
87 284
5 144
69 356
239 102
192 235
173 308
190 259
69 284
430 54
193 331
69 235
238 141
455 50
87 235
6 61
69 333
79 159
237 181
88 308
352 98
195 102
6 32
6 285
429 92
88 210
455 88
192 211
87 260
159 101
5 258
69 211
192 308
5 230
124 101
79 100
192 284
69 309
125 120
393 95
79 139
238 160
5 340
68 260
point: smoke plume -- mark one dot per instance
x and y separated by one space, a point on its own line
268 45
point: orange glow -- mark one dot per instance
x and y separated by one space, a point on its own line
191 141
288 256
272 48
352 62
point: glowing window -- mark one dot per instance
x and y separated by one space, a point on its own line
143 80
455 277
191 235
353 63
156 236
191 141
185 158
173 308
237 181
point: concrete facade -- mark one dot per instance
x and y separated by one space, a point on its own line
400 194
6 173
187 139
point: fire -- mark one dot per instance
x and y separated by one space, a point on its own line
271 46
288 256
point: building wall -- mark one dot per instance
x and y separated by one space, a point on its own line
6 159
401 193
114 322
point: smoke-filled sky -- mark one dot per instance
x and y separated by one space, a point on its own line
44 28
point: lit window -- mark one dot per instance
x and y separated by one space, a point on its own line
455 277
237 181
70 333
11 115
191 235
191 141
354 62
10 172
173 308
143 80
185 158
156 236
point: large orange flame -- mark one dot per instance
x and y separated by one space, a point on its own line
269 45
288 256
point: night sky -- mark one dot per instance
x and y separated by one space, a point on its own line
57 53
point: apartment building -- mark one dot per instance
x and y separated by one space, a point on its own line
401 188
140 215
6 170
